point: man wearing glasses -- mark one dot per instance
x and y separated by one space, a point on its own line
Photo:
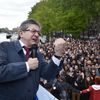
21 69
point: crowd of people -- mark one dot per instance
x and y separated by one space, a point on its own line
81 63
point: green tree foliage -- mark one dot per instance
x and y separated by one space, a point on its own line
71 16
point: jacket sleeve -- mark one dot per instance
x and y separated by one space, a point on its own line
48 70
87 90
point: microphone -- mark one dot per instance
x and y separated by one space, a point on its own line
34 51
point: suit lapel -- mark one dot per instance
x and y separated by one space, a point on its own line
19 50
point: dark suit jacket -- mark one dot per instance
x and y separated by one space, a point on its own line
15 82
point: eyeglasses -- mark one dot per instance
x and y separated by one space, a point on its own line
33 31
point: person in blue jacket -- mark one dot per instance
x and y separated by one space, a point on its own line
20 76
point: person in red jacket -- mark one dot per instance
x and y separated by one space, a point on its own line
94 90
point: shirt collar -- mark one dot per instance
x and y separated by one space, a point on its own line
21 43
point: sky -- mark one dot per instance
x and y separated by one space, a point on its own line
13 12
